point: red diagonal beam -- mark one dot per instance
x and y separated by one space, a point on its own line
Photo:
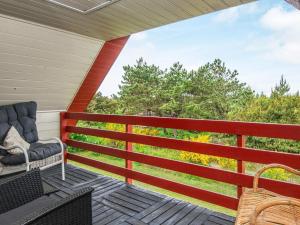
100 68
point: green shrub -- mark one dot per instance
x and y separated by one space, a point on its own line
277 174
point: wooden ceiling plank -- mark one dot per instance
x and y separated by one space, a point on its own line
155 5
190 7
151 16
183 7
119 19
217 4
118 14
61 21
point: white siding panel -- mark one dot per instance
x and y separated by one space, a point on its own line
48 123
43 64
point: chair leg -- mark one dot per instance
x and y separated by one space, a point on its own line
63 175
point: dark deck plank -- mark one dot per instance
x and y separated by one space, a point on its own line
115 202
169 213
180 215
158 212
190 217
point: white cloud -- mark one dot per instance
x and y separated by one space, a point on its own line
278 19
283 43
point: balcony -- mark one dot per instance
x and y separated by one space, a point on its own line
133 205
68 51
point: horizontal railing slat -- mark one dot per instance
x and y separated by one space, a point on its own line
244 180
285 131
208 196
238 153
183 167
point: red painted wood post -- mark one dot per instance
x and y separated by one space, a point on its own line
63 133
241 142
128 148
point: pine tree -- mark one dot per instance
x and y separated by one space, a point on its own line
281 89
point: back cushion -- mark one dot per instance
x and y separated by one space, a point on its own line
4 121
22 116
26 113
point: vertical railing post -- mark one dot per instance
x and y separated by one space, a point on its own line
128 148
241 142
63 133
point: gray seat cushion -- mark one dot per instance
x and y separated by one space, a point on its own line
16 214
37 151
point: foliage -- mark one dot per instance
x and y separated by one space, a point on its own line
173 91
275 109
214 91
207 160
281 107
211 91
277 174
281 89
78 137
274 144
139 88
195 157
104 105
145 131
226 163
113 127
112 142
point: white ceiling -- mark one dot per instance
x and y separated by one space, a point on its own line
119 19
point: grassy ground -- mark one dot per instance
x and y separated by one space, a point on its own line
170 175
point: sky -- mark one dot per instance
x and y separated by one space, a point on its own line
261 40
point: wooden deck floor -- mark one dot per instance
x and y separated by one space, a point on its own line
115 202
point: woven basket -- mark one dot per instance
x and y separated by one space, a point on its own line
258 206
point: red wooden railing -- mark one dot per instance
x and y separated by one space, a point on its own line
240 152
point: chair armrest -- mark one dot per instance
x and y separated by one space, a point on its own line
75 209
270 203
19 147
20 190
270 166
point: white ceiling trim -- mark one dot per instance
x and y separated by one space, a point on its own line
98 6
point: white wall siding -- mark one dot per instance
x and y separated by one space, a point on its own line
48 124
42 64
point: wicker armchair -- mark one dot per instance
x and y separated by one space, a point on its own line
258 206
22 201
